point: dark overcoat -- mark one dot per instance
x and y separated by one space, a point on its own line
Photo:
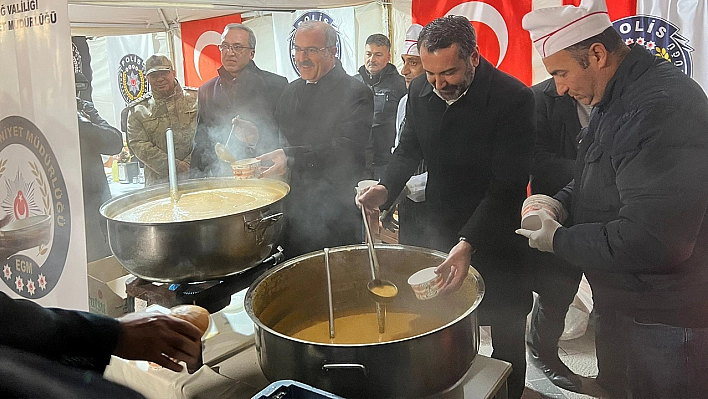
326 126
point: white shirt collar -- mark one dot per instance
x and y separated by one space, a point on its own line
450 102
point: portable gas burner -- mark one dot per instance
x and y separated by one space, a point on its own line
212 295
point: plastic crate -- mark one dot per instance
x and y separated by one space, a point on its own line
289 389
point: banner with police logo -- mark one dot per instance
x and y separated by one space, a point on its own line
674 30
126 66
42 242
285 24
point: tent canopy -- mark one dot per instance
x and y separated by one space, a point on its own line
119 17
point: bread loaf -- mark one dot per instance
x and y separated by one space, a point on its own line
194 314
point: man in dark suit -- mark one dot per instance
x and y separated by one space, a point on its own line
473 125
325 118
240 90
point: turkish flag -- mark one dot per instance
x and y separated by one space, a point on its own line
500 37
200 41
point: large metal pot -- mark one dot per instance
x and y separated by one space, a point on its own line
195 250
416 366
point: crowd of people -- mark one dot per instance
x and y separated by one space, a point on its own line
615 140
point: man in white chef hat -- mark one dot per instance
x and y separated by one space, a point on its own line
637 207
410 201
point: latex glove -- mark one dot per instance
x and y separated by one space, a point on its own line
280 163
456 267
371 198
244 130
542 239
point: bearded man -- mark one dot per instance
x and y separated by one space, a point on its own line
473 125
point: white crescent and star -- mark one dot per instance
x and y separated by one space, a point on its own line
207 38
478 11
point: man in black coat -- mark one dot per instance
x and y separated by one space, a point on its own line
59 353
558 124
638 221
388 86
325 118
96 137
67 350
240 90
473 125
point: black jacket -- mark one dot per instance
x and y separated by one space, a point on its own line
326 126
252 96
388 86
557 130
74 338
477 151
96 137
640 195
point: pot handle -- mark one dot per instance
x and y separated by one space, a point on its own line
345 366
259 226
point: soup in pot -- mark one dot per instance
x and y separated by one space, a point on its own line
202 204
362 328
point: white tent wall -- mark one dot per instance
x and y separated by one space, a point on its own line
400 21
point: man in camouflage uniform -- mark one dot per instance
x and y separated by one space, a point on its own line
168 105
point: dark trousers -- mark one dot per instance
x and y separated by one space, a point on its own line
556 283
411 223
638 359
507 302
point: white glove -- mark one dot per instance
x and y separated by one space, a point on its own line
542 239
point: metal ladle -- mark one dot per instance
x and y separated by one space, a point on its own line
222 150
389 290
171 166
329 294
383 291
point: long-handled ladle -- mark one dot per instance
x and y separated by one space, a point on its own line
329 294
383 291
171 166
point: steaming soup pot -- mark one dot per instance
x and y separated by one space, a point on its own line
285 302
199 249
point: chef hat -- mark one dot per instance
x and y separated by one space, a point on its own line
410 45
556 28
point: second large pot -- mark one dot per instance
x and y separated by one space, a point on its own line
194 250
415 366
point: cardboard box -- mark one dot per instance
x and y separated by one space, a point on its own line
106 287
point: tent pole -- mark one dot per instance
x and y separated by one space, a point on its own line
388 12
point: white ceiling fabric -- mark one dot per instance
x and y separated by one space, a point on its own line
119 17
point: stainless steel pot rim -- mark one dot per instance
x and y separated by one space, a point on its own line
190 185
291 262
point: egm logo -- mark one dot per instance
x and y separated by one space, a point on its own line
310 16
131 78
659 36
31 186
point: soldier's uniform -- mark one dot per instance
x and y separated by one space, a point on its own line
148 119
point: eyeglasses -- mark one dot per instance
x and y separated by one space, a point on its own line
236 48
309 51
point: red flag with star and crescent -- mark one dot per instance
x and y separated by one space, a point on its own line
500 36
200 41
